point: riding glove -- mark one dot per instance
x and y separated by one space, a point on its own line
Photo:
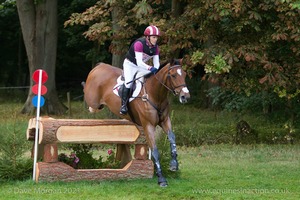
153 70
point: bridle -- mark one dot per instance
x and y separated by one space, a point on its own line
173 88
169 76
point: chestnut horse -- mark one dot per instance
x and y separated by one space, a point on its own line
149 109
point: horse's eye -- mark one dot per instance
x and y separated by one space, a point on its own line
174 75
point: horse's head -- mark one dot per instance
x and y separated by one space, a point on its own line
175 80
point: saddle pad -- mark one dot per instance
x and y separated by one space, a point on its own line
135 92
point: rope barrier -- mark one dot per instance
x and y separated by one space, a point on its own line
17 87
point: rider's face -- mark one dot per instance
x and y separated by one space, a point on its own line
153 39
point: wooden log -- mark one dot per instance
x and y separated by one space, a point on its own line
140 152
85 131
40 151
50 153
123 154
120 132
58 171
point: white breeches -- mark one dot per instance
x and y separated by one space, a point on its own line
129 69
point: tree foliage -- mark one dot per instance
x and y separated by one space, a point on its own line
258 39
12 70
133 16
247 46
243 46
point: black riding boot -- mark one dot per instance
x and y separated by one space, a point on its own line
124 98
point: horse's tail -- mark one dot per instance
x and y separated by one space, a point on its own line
83 84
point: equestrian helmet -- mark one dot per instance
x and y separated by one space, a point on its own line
152 31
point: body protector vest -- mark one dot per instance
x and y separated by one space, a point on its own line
148 52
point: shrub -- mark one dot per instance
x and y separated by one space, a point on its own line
13 145
81 157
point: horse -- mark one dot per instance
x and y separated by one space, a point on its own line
148 109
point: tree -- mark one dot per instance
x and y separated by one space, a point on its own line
38 21
256 44
244 46
110 22
11 42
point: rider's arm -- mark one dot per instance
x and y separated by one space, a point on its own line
139 61
156 59
138 50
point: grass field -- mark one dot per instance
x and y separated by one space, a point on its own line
206 172
219 171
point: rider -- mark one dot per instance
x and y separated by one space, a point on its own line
141 50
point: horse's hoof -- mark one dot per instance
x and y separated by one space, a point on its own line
123 112
163 184
173 166
92 110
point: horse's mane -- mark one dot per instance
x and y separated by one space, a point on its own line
162 65
171 61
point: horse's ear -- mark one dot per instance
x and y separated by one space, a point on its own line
171 61
177 61
180 61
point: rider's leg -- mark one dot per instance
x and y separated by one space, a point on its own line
128 71
124 98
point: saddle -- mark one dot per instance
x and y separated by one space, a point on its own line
135 88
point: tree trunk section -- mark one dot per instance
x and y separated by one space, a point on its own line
58 171
85 131
39 28
177 10
117 58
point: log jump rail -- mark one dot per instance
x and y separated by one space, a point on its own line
108 131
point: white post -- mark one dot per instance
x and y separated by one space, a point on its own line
36 138
149 153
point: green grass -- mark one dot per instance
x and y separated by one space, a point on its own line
219 171
206 172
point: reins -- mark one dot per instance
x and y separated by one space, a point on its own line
144 97
168 78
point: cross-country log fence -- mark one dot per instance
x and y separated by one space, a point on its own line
89 131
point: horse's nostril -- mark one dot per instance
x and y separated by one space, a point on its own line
183 99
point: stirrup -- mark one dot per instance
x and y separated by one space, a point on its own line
123 110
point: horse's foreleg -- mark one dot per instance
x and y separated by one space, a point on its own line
161 179
150 132
173 162
166 125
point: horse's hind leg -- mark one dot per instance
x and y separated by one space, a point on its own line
92 99
92 110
